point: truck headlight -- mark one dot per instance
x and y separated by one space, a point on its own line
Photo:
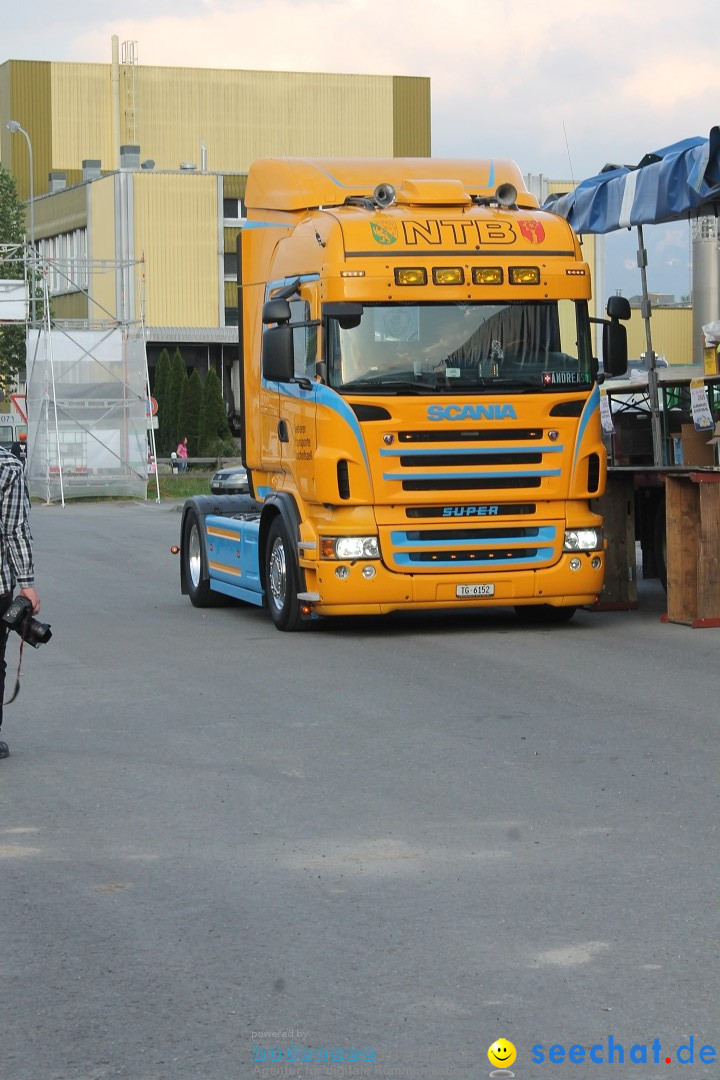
349 547
583 540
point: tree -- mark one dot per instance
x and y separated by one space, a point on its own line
178 377
162 394
193 412
12 229
215 434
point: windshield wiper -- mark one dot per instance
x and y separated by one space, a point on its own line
389 386
389 382
489 383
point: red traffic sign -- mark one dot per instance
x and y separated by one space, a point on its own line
151 407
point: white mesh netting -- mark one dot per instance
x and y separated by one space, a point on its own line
87 406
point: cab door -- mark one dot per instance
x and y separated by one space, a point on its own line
297 431
266 418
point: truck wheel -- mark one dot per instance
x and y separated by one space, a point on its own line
198 586
660 543
281 578
545 614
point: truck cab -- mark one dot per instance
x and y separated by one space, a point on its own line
419 396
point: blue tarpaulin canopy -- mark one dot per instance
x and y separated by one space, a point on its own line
679 181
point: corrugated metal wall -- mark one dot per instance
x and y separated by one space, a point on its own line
62 212
70 306
176 231
81 115
101 243
26 97
234 187
239 115
243 115
671 330
5 135
411 117
231 294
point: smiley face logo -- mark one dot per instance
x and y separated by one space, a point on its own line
502 1053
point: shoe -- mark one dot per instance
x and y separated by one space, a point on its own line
4 750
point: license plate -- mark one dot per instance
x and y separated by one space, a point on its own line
474 590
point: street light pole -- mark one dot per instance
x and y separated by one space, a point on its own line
14 126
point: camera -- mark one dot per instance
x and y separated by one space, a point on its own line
19 617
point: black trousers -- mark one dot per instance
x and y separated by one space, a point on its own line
5 601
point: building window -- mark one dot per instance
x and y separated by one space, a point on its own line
66 255
231 316
233 210
231 264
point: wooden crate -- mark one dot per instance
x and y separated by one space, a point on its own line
617 507
693 548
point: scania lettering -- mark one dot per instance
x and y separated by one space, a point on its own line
419 398
471 412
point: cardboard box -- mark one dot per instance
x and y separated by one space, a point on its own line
632 441
696 449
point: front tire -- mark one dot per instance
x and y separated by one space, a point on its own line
282 576
545 614
193 554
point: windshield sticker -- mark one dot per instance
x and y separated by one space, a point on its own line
384 231
565 378
606 417
531 230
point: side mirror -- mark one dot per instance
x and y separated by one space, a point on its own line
614 341
275 311
346 313
277 353
618 307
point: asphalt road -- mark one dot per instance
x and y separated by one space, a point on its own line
393 840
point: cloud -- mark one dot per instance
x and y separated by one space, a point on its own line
670 236
562 91
515 80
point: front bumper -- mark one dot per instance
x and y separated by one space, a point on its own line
557 585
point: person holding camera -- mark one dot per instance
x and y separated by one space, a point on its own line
16 556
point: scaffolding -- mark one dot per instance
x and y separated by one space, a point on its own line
90 432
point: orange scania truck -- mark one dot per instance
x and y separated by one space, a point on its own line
419 397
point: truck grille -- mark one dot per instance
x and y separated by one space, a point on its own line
467 463
476 435
477 547
473 516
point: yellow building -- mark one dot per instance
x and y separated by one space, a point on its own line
222 119
134 163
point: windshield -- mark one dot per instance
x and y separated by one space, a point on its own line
429 347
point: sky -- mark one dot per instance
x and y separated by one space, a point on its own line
561 89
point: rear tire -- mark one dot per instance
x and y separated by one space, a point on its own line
193 554
545 614
282 577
